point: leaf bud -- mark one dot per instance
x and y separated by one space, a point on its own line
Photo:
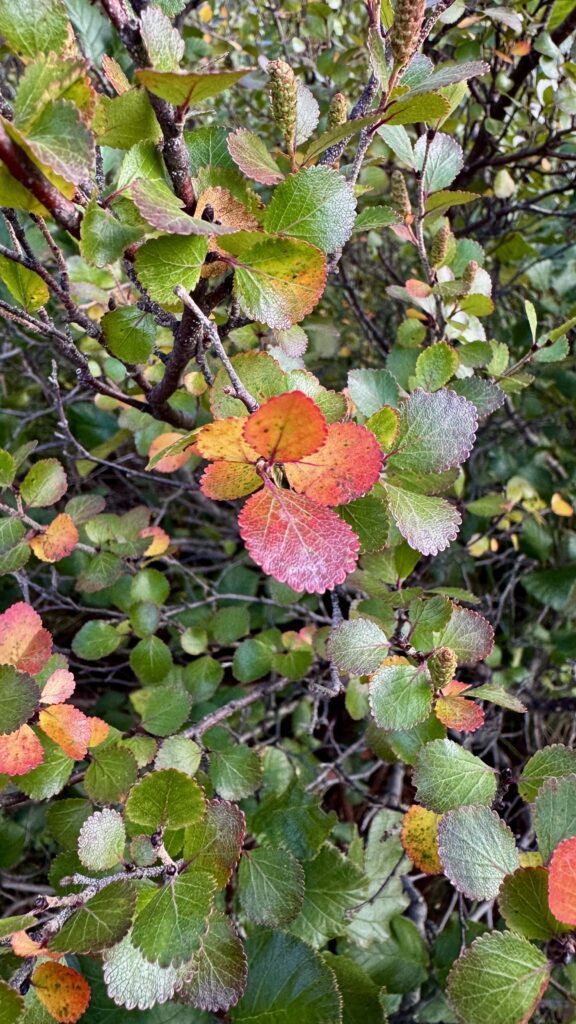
442 666
405 32
283 94
400 196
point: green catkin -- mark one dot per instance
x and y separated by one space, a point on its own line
405 32
440 243
400 196
338 111
283 93
442 666
468 276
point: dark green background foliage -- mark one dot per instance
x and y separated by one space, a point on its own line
239 799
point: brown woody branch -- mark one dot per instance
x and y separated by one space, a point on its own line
23 170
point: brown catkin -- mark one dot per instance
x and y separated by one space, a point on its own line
338 111
468 276
442 666
400 196
283 93
405 32
440 243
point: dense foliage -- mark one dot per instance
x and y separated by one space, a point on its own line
287 473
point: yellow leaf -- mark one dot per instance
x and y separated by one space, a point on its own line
560 507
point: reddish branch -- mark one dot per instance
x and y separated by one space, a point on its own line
21 167
175 153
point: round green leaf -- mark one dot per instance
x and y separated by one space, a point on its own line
151 660
271 886
19 697
236 772
95 640
549 763
44 484
524 906
101 922
102 839
358 646
400 696
130 334
477 851
447 776
555 813
165 798
168 929
316 205
110 774
500 978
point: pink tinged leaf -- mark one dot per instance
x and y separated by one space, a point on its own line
224 481
345 468
297 541
20 751
68 727
418 289
169 463
286 428
99 730
24 642
468 634
58 687
224 440
251 155
459 713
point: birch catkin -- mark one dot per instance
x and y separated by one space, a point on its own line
283 93
405 32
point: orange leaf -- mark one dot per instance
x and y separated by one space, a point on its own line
20 751
420 839
63 992
225 481
224 440
23 640
286 428
58 541
226 209
346 467
58 687
68 727
562 882
459 713
23 945
170 463
418 289
99 730
453 688
160 540
297 541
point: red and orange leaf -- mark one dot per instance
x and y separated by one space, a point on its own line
63 991
169 463
454 688
23 945
160 541
58 541
99 730
24 642
20 751
459 713
224 481
68 727
297 541
224 441
345 468
286 428
562 882
420 839
58 687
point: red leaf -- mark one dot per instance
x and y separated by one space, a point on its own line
562 882
63 992
286 428
20 751
297 541
225 481
346 467
23 641
58 541
459 713
68 727
224 440
58 687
